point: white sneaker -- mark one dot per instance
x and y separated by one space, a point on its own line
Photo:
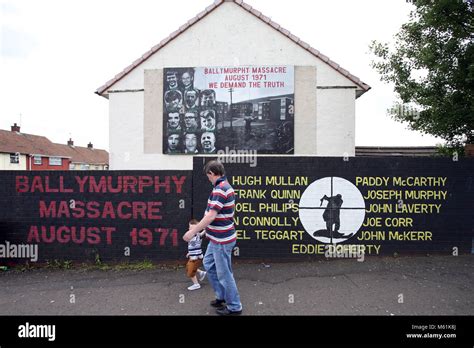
194 287
202 275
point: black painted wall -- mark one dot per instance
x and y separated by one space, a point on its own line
124 215
439 220
280 214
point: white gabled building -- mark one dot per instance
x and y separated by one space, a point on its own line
324 92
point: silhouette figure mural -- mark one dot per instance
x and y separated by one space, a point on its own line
338 220
331 216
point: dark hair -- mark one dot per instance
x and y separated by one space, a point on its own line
215 167
208 112
189 71
193 222
173 95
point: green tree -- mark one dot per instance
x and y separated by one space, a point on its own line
432 67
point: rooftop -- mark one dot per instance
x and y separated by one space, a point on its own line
29 144
363 86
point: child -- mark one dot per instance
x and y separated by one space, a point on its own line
195 258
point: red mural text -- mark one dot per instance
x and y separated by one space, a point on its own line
100 210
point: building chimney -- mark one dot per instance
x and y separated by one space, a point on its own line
89 146
469 150
15 128
70 142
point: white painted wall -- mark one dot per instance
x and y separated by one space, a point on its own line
228 36
126 137
6 165
232 36
335 122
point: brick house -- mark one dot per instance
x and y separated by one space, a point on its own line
22 151
85 158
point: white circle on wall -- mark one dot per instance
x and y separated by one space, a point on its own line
332 210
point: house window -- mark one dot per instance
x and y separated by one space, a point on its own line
85 167
55 161
71 166
15 158
37 160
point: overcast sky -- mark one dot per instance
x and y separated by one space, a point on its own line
56 53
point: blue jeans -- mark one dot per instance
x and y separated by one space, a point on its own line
217 263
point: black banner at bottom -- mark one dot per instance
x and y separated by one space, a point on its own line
73 331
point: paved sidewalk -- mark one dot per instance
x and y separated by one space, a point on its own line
417 285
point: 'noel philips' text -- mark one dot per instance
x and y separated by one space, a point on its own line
90 209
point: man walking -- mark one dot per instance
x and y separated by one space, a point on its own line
218 221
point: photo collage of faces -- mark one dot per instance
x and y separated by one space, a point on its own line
190 117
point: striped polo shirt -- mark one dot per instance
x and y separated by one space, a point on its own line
194 247
222 200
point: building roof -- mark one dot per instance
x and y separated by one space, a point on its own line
81 154
29 144
364 87
12 142
407 151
